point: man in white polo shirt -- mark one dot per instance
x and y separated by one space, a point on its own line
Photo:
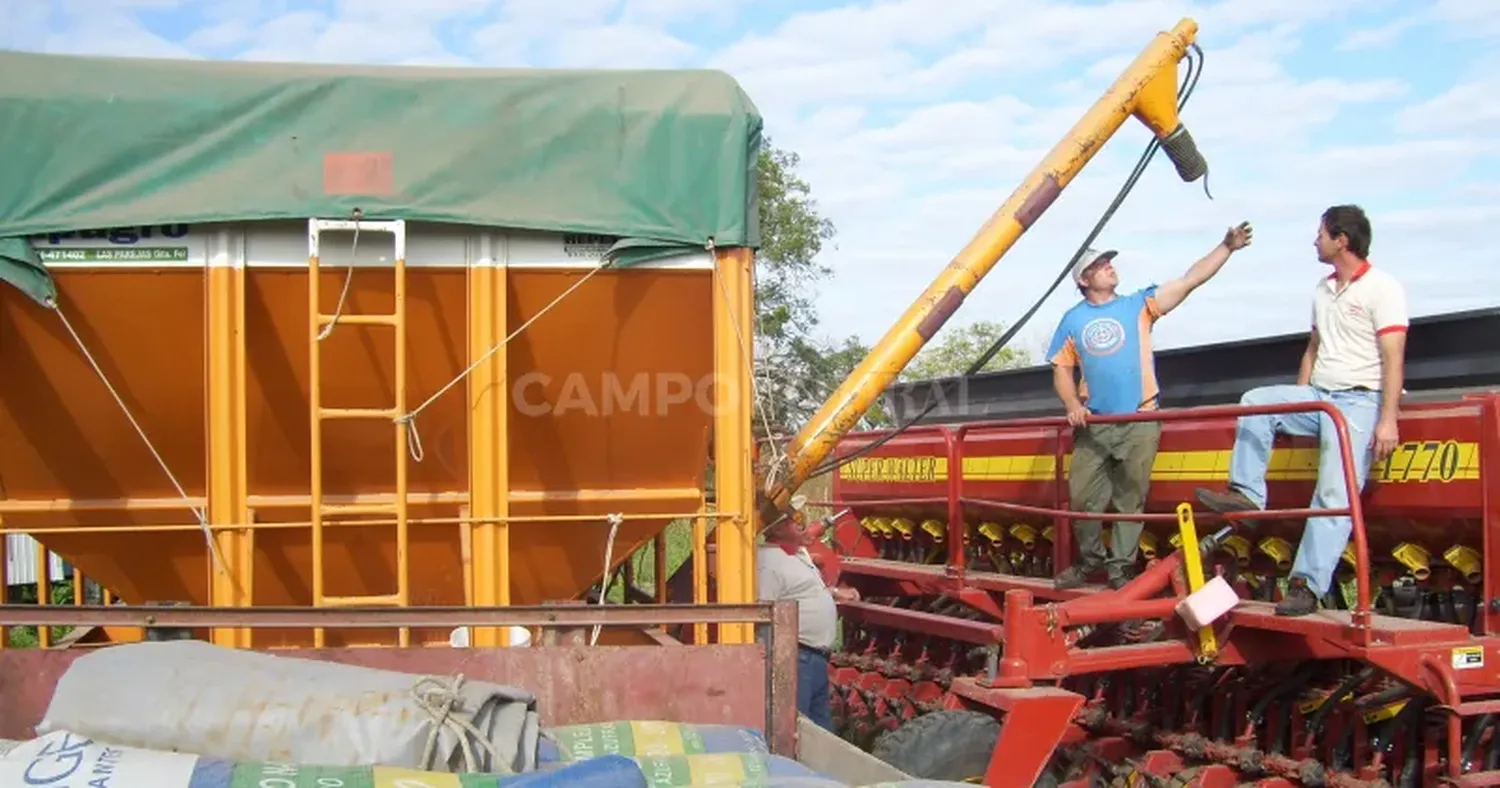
1354 360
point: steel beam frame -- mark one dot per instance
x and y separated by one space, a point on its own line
560 616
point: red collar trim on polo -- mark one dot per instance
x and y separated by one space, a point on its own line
1363 269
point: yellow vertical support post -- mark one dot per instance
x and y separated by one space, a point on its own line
229 584
734 483
1192 564
659 566
315 422
466 550
245 575
699 532
4 580
43 592
403 436
489 452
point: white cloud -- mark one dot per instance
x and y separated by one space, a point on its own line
399 11
23 25
109 28
1467 18
1378 36
916 119
544 13
1468 108
309 36
621 46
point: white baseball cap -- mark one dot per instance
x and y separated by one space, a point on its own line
1088 258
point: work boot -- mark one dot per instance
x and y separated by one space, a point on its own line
1299 600
1119 577
1138 630
1227 502
1073 577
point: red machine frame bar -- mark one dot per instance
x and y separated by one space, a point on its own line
1142 586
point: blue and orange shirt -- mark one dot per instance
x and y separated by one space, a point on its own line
1111 342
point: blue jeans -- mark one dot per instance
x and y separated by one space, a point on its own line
812 687
1324 539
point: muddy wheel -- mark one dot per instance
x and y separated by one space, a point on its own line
943 745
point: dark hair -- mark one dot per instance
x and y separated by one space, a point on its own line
1349 221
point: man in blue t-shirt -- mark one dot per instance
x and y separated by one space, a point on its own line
1107 338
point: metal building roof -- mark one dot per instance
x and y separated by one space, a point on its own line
20 561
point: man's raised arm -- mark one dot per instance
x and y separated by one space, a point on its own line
1172 293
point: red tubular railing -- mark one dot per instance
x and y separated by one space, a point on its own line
953 438
1147 517
953 447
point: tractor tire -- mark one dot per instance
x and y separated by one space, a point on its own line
949 745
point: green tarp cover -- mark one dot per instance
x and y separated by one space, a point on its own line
661 160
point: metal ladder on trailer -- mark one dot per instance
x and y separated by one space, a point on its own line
396 509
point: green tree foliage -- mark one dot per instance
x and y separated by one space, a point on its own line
61 594
795 371
949 355
956 347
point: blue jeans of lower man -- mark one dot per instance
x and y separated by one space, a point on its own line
812 686
1324 538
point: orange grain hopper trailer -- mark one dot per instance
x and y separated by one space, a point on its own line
320 358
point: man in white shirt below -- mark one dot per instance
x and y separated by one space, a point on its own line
786 572
1354 360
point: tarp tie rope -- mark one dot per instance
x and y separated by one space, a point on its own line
777 456
439 697
208 536
615 520
413 439
338 311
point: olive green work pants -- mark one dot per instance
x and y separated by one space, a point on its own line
1111 463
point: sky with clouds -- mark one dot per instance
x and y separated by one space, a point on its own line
915 119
